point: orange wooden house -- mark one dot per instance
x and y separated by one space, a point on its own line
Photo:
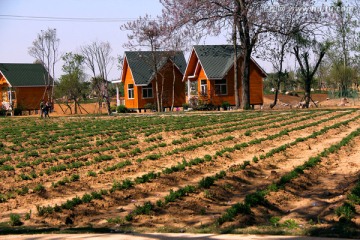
138 77
210 75
23 86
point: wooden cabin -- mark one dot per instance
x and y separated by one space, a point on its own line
210 76
138 77
23 86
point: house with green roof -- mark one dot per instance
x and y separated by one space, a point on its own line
210 76
139 79
23 85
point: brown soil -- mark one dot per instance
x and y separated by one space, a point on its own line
313 196
322 100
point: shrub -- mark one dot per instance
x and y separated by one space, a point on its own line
116 220
274 221
248 133
96 195
28 215
206 182
44 210
91 174
3 198
15 220
39 188
135 152
86 198
225 105
18 111
346 211
7 168
290 223
185 106
75 177
22 191
31 154
255 198
153 156
121 109
233 211
150 106
113 108
145 209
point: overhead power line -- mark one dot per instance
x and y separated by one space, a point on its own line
63 19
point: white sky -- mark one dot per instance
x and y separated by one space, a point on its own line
17 34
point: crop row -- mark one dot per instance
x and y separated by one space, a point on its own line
129 183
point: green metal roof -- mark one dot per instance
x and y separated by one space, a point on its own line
141 64
24 74
216 60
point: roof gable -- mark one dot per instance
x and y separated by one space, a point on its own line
24 74
217 60
141 64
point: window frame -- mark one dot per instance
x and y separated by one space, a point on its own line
203 86
131 91
220 87
147 89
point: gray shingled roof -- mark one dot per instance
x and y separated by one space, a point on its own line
24 74
140 63
216 59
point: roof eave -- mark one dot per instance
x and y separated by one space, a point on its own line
5 78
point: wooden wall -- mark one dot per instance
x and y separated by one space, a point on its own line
130 103
167 72
256 87
29 98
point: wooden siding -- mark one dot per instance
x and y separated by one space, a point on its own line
167 71
130 103
256 85
29 98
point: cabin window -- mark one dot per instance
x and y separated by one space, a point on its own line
220 87
203 87
147 91
131 91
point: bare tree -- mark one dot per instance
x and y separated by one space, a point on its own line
303 51
97 57
45 49
252 18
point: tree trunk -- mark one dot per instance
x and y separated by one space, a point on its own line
245 100
307 92
75 107
236 78
162 93
106 96
272 105
173 88
158 106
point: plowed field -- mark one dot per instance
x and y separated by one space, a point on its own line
294 172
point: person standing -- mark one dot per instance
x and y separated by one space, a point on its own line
47 109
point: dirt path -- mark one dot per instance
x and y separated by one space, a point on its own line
157 236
